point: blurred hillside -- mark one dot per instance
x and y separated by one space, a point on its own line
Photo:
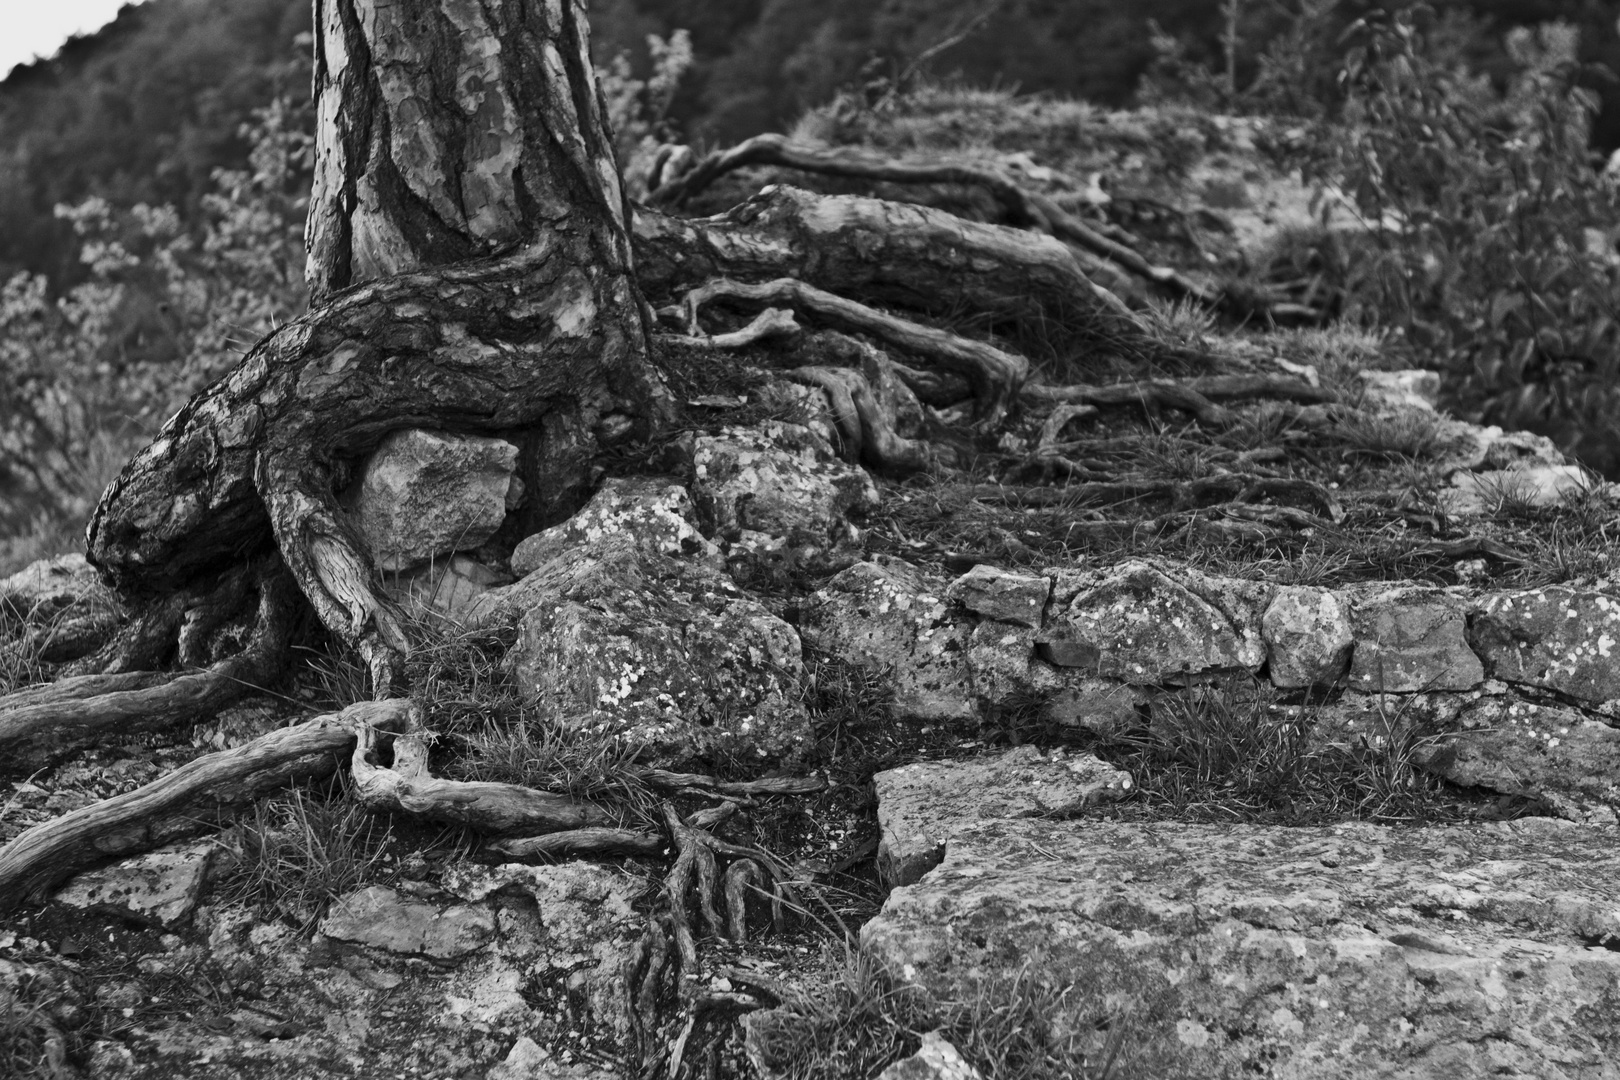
147 109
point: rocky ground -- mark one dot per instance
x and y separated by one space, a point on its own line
1268 731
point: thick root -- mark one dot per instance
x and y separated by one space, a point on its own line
46 724
407 787
182 803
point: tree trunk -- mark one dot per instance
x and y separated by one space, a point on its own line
471 268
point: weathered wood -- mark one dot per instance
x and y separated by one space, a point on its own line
408 787
45 724
996 375
891 253
194 793
595 841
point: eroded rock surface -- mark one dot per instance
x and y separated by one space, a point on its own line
1556 638
1348 951
1410 639
920 806
422 494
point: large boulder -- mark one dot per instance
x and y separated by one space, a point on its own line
1136 624
1235 950
422 494
892 619
1410 639
663 652
1554 638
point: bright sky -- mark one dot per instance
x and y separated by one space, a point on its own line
30 28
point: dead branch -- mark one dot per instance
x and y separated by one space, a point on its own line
772 785
182 802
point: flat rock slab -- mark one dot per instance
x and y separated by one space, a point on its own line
921 806
159 888
381 918
1348 951
1411 639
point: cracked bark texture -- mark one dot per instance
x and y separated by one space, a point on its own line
471 268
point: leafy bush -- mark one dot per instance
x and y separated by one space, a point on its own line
1492 232
87 376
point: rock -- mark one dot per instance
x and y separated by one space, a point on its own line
629 641
998 659
1135 624
663 653
1550 753
1344 951
575 920
381 918
1473 493
1307 636
422 494
1412 389
1002 595
891 619
50 585
528 1060
447 590
782 480
1486 448
656 511
935 1059
1410 639
921 806
158 889
1102 706
1556 638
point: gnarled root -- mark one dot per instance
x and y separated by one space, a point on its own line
43 725
407 787
182 803
995 375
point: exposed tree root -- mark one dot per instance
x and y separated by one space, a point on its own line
45 724
1023 208
407 787
181 803
593 841
1196 396
895 254
995 375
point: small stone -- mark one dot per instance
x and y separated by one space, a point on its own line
1308 638
935 1059
1411 639
159 888
1002 595
780 479
1557 638
423 494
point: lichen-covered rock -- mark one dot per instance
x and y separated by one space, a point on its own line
656 511
780 480
935 1059
667 654
382 918
1002 595
920 806
1390 390
1410 639
422 494
891 619
1307 636
52 585
1135 624
1314 953
1556 638
159 888
1549 753
1103 706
